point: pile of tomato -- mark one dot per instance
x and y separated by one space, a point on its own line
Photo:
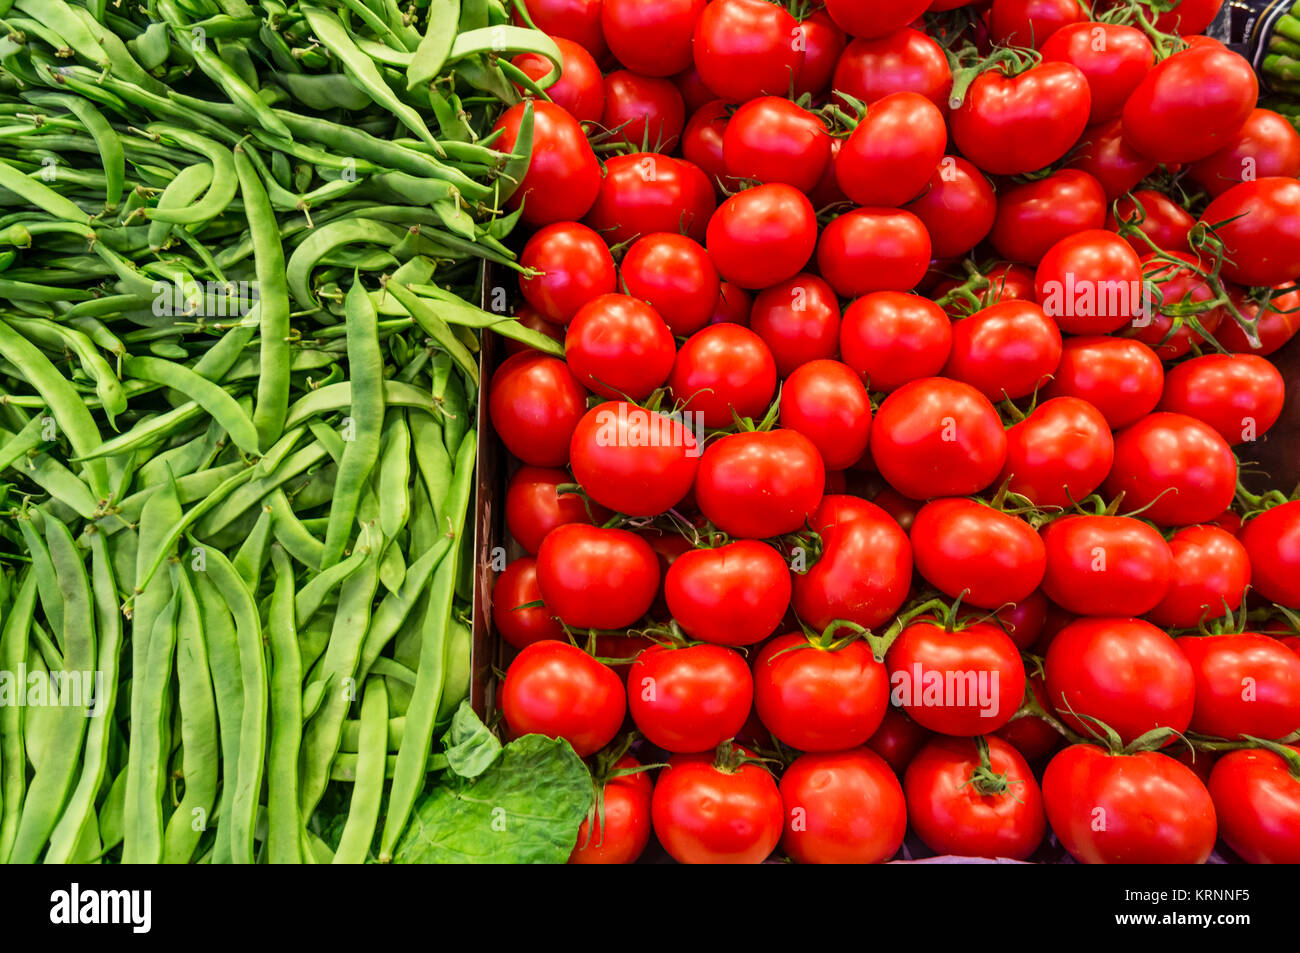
890 480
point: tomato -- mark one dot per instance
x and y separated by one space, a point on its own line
1031 23
1176 467
837 508
689 699
1246 684
1158 217
1210 574
823 42
1275 325
619 346
722 370
937 437
575 266
651 36
621 827
1104 154
799 320
1004 282
535 403
1032 736
1121 377
576 20
891 338
969 682
1188 16
1143 808
898 739
863 574
760 484
1257 798
1190 105
1008 125
893 152
1273 541
633 460
1033 217
826 402
1174 295
706 814
1023 620
1266 146
563 175
579 89
733 306
517 586
694 92
1239 395
762 236
957 208
745 48
1105 565
596 578
648 112
1259 223
1009 349
1090 283
963 547
844 807
702 142
873 249
771 139
736 594
875 19
957 809
1115 59
645 193
534 508
674 274
906 61
1060 453
553 688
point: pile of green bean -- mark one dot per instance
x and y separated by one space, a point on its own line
1281 63
237 382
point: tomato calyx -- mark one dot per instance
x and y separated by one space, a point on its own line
1143 15
1253 504
1031 708
984 779
1285 752
729 757
1008 60
1108 738
603 769
1229 623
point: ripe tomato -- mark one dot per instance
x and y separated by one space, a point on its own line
648 112
1121 377
619 347
873 249
957 208
596 578
826 402
898 739
1031 23
689 699
1239 395
957 809
1259 223
574 267
893 152
1023 620
733 306
515 587
799 320
1273 541
721 370
956 683
1105 565
906 61
1032 736
1033 217
823 42
535 402
1257 798
1105 155
844 807
1090 282
579 88
673 273
760 484
1143 808
633 460
1180 469
576 20
863 574
533 508
937 437
1210 574
563 175
745 48
762 236
651 36
771 139
553 688
875 19
1009 349
621 828
1275 324
1246 684
704 813
963 547
702 142
891 338
1060 453
1160 218
736 594
645 193
1265 147
1114 57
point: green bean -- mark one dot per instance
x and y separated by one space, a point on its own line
284 824
105 136
367 792
47 577
42 196
51 333
181 192
215 401
312 596
436 328
20 444
13 757
61 484
225 181
325 239
228 692
251 558
436 43
292 534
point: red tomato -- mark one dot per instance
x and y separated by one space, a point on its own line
533 508
621 827
633 460
553 688
823 42
1239 395
863 574
1030 23
937 437
893 152
1275 325
963 547
689 699
745 48
891 339
1121 377
645 193
875 19
721 370
648 112
535 403
736 594
1114 57
1143 808
1210 574
799 320
676 276
956 808
705 814
957 208
1257 797
515 587
906 61
1176 467
579 88
1060 453
1009 349
576 20
733 306
702 142
651 36
596 578
1265 147
1032 736
844 807
1273 541
1033 217
1105 155
693 90
1259 223
1105 565
1246 684
760 484
898 739
873 249
574 267
762 236
771 139
619 347
826 402
1090 283
563 175
1162 220
1022 620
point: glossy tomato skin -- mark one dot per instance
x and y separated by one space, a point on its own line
1258 803
724 369
814 699
1156 810
1105 565
1034 216
957 207
826 402
579 88
1124 672
535 403
843 807
619 346
876 19
762 236
1266 146
893 152
1121 377
905 61
736 594
621 836
1060 453
703 815
863 575
576 20
534 508
645 192
563 176
1090 283
1105 155
647 111
745 48
873 249
702 141
1246 684
1239 395
1115 58
733 306
1023 620
823 42
1210 574
1172 451
1009 349
953 817
1273 541
937 437
891 338
1262 240
961 545
691 699
898 739
799 320
651 38
597 578
575 267
673 273
632 460
556 689
771 139
517 586
1031 23
761 484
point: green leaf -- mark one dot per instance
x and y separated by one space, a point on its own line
524 809
471 747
